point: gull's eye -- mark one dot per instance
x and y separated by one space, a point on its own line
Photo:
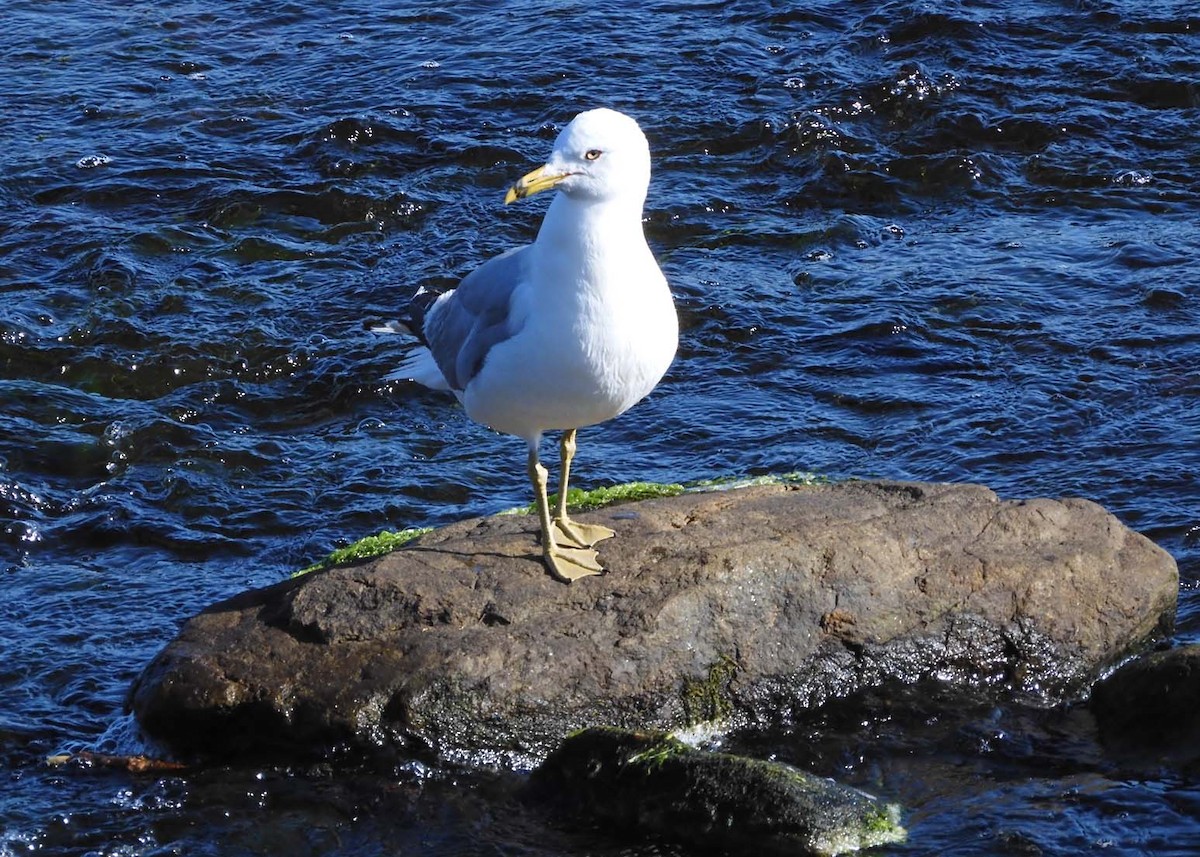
592 154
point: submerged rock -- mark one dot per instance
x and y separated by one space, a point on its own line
743 606
656 784
1149 706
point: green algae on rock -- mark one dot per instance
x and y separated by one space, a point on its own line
655 783
367 547
578 499
587 500
707 700
725 483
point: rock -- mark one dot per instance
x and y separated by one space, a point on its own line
743 606
654 783
1150 705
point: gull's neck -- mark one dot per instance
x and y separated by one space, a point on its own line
584 225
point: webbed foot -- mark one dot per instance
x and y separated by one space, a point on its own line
570 564
580 535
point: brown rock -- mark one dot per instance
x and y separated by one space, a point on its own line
745 605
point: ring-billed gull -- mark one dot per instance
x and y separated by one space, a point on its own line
565 332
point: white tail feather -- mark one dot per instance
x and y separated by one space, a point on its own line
420 367
391 327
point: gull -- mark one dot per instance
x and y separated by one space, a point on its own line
567 332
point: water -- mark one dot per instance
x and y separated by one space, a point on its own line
945 241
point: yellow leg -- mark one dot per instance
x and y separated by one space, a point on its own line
580 535
564 563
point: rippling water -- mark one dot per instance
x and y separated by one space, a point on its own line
947 241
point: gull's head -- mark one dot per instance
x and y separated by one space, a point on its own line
600 155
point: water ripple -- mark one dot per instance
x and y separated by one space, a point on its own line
945 243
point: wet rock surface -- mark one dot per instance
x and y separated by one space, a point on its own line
654 783
1151 706
745 606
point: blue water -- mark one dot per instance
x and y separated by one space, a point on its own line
948 241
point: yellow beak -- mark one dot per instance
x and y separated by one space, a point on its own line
535 182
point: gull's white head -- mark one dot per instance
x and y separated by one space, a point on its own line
600 155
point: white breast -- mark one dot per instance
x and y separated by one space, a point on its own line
604 342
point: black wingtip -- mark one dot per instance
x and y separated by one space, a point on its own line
418 308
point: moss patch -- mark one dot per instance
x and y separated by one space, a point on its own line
713 801
707 700
724 483
664 747
579 500
366 548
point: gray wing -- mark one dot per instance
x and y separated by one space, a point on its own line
468 322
